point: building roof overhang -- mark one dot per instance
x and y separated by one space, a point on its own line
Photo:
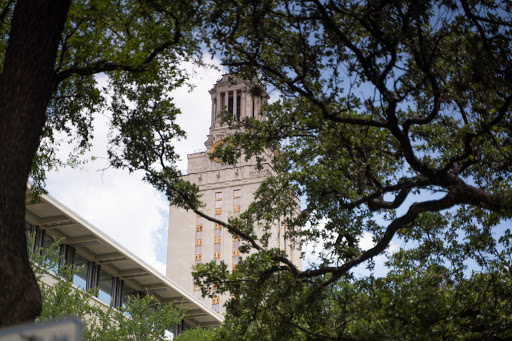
71 229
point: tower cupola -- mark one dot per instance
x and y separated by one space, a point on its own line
241 98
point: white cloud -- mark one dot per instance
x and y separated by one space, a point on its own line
121 205
196 110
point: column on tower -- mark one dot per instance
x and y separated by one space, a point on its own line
243 103
226 100
214 114
218 107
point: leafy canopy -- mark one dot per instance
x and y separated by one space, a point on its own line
121 60
141 318
197 334
394 121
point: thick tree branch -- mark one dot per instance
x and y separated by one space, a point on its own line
106 66
485 128
5 11
25 86
313 335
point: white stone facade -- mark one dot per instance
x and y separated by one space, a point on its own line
225 190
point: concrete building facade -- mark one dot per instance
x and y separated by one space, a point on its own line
115 272
225 190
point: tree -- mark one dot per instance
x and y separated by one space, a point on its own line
141 318
394 121
50 54
197 334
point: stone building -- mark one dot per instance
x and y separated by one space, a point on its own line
225 190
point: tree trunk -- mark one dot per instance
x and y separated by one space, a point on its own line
26 85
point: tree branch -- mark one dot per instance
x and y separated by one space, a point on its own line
106 66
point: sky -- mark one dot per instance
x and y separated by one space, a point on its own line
127 209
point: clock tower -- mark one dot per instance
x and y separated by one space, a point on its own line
225 190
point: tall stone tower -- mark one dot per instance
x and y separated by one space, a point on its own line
225 190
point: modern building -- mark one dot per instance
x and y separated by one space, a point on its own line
116 272
225 190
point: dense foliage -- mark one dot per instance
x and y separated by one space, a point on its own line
393 121
141 318
64 62
120 59
197 334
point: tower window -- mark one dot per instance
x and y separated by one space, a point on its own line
215 304
236 239
218 203
230 103
279 234
199 220
236 201
217 227
199 238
